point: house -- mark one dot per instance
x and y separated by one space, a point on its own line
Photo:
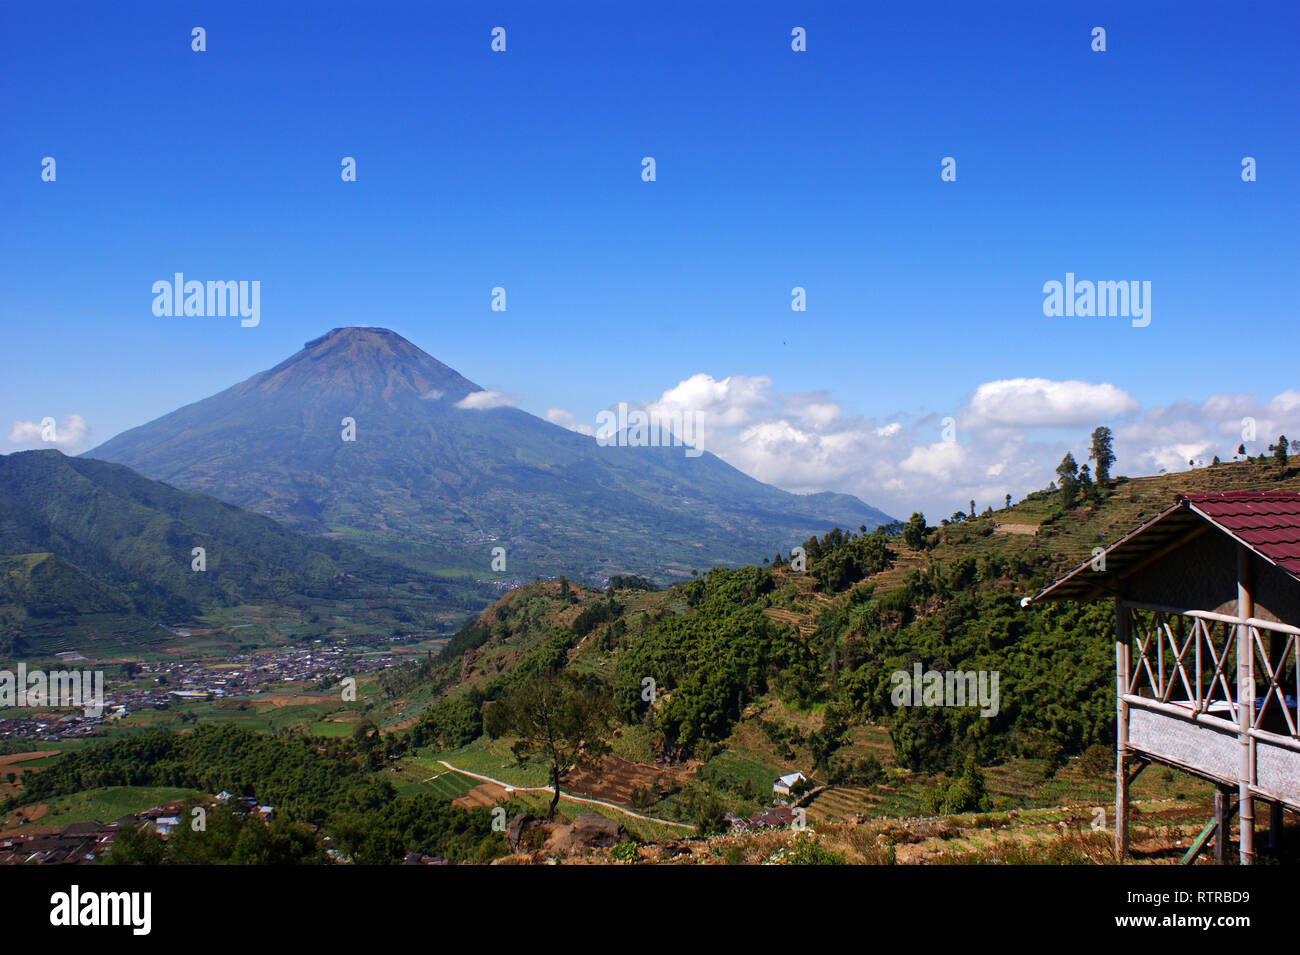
163 819
77 844
190 696
781 789
780 817
1207 655
418 858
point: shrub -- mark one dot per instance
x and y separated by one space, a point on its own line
624 852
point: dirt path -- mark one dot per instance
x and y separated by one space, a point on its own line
509 788
12 758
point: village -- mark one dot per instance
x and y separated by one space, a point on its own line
161 684
83 843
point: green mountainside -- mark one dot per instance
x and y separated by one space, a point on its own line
762 669
715 687
87 539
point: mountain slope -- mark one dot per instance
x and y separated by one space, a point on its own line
740 701
80 537
440 483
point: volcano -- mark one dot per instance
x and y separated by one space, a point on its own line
363 435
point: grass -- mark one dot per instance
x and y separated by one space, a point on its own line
491 758
423 774
111 803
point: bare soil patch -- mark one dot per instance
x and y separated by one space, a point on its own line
1028 530
12 758
614 778
481 797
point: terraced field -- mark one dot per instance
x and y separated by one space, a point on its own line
616 778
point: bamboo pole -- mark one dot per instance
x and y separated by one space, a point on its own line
1122 654
1245 704
1221 834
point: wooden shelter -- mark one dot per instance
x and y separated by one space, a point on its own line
1207 652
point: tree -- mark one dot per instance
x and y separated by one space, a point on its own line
834 733
1008 500
709 813
1102 453
369 744
914 531
452 722
560 719
1279 449
972 509
1068 472
280 843
134 846
964 793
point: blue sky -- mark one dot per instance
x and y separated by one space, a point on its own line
775 169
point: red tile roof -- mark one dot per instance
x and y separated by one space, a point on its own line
1266 521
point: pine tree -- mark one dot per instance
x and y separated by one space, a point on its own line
1102 453
1279 449
1068 472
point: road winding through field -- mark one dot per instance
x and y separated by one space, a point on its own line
509 787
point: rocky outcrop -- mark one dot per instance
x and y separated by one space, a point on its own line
588 830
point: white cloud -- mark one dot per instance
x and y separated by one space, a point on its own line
1043 403
813 410
483 400
728 403
70 435
941 461
1011 434
1175 457
565 419
1287 401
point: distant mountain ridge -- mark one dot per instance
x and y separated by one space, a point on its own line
438 482
83 537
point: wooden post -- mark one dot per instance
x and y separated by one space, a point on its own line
1122 653
1221 821
1245 704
